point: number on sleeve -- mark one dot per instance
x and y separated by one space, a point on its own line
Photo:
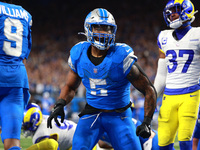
13 30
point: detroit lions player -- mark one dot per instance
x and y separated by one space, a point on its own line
15 46
196 134
178 71
34 124
150 143
106 69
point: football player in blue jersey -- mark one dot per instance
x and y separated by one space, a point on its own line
150 143
196 135
106 69
15 46
178 71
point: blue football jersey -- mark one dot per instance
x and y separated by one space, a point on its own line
15 34
15 44
106 84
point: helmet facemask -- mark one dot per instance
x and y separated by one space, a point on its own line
172 10
101 36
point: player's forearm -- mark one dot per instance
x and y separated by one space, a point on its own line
67 94
150 102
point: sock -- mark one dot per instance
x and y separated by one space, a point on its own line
168 147
15 148
185 145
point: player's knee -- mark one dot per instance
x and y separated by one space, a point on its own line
185 136
52 144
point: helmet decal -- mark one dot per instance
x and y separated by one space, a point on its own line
32 117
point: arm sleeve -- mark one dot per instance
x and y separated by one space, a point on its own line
128 62
160 79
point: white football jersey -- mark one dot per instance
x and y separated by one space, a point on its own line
183 59
65 132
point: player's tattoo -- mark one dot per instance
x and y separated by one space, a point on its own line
140 81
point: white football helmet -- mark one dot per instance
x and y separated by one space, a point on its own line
100 18
184 8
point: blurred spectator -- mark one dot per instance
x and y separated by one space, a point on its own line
47 103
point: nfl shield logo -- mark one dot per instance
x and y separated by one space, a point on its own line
95 70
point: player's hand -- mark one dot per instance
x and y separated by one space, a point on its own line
58 110
144 130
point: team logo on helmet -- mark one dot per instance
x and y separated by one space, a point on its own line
32 117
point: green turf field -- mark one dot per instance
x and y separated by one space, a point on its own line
26 142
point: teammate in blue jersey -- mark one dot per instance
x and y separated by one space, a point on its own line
106 69
196 135
15 46
178 71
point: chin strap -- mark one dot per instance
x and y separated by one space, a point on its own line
176 23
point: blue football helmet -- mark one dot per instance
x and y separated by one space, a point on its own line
100 18
32 119
184 8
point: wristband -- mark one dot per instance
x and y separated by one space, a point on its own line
60 102
147 120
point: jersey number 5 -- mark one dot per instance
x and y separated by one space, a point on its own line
174 57
13 31
97 85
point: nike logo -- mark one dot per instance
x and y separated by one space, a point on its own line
192 95
194 39
128 50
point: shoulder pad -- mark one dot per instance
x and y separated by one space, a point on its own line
77 49
162 37
122 50
75 54
165 32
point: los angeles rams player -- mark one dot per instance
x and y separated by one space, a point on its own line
34 124
15 46
106 69
178 71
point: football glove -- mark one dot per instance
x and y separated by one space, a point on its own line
144 130
58 110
